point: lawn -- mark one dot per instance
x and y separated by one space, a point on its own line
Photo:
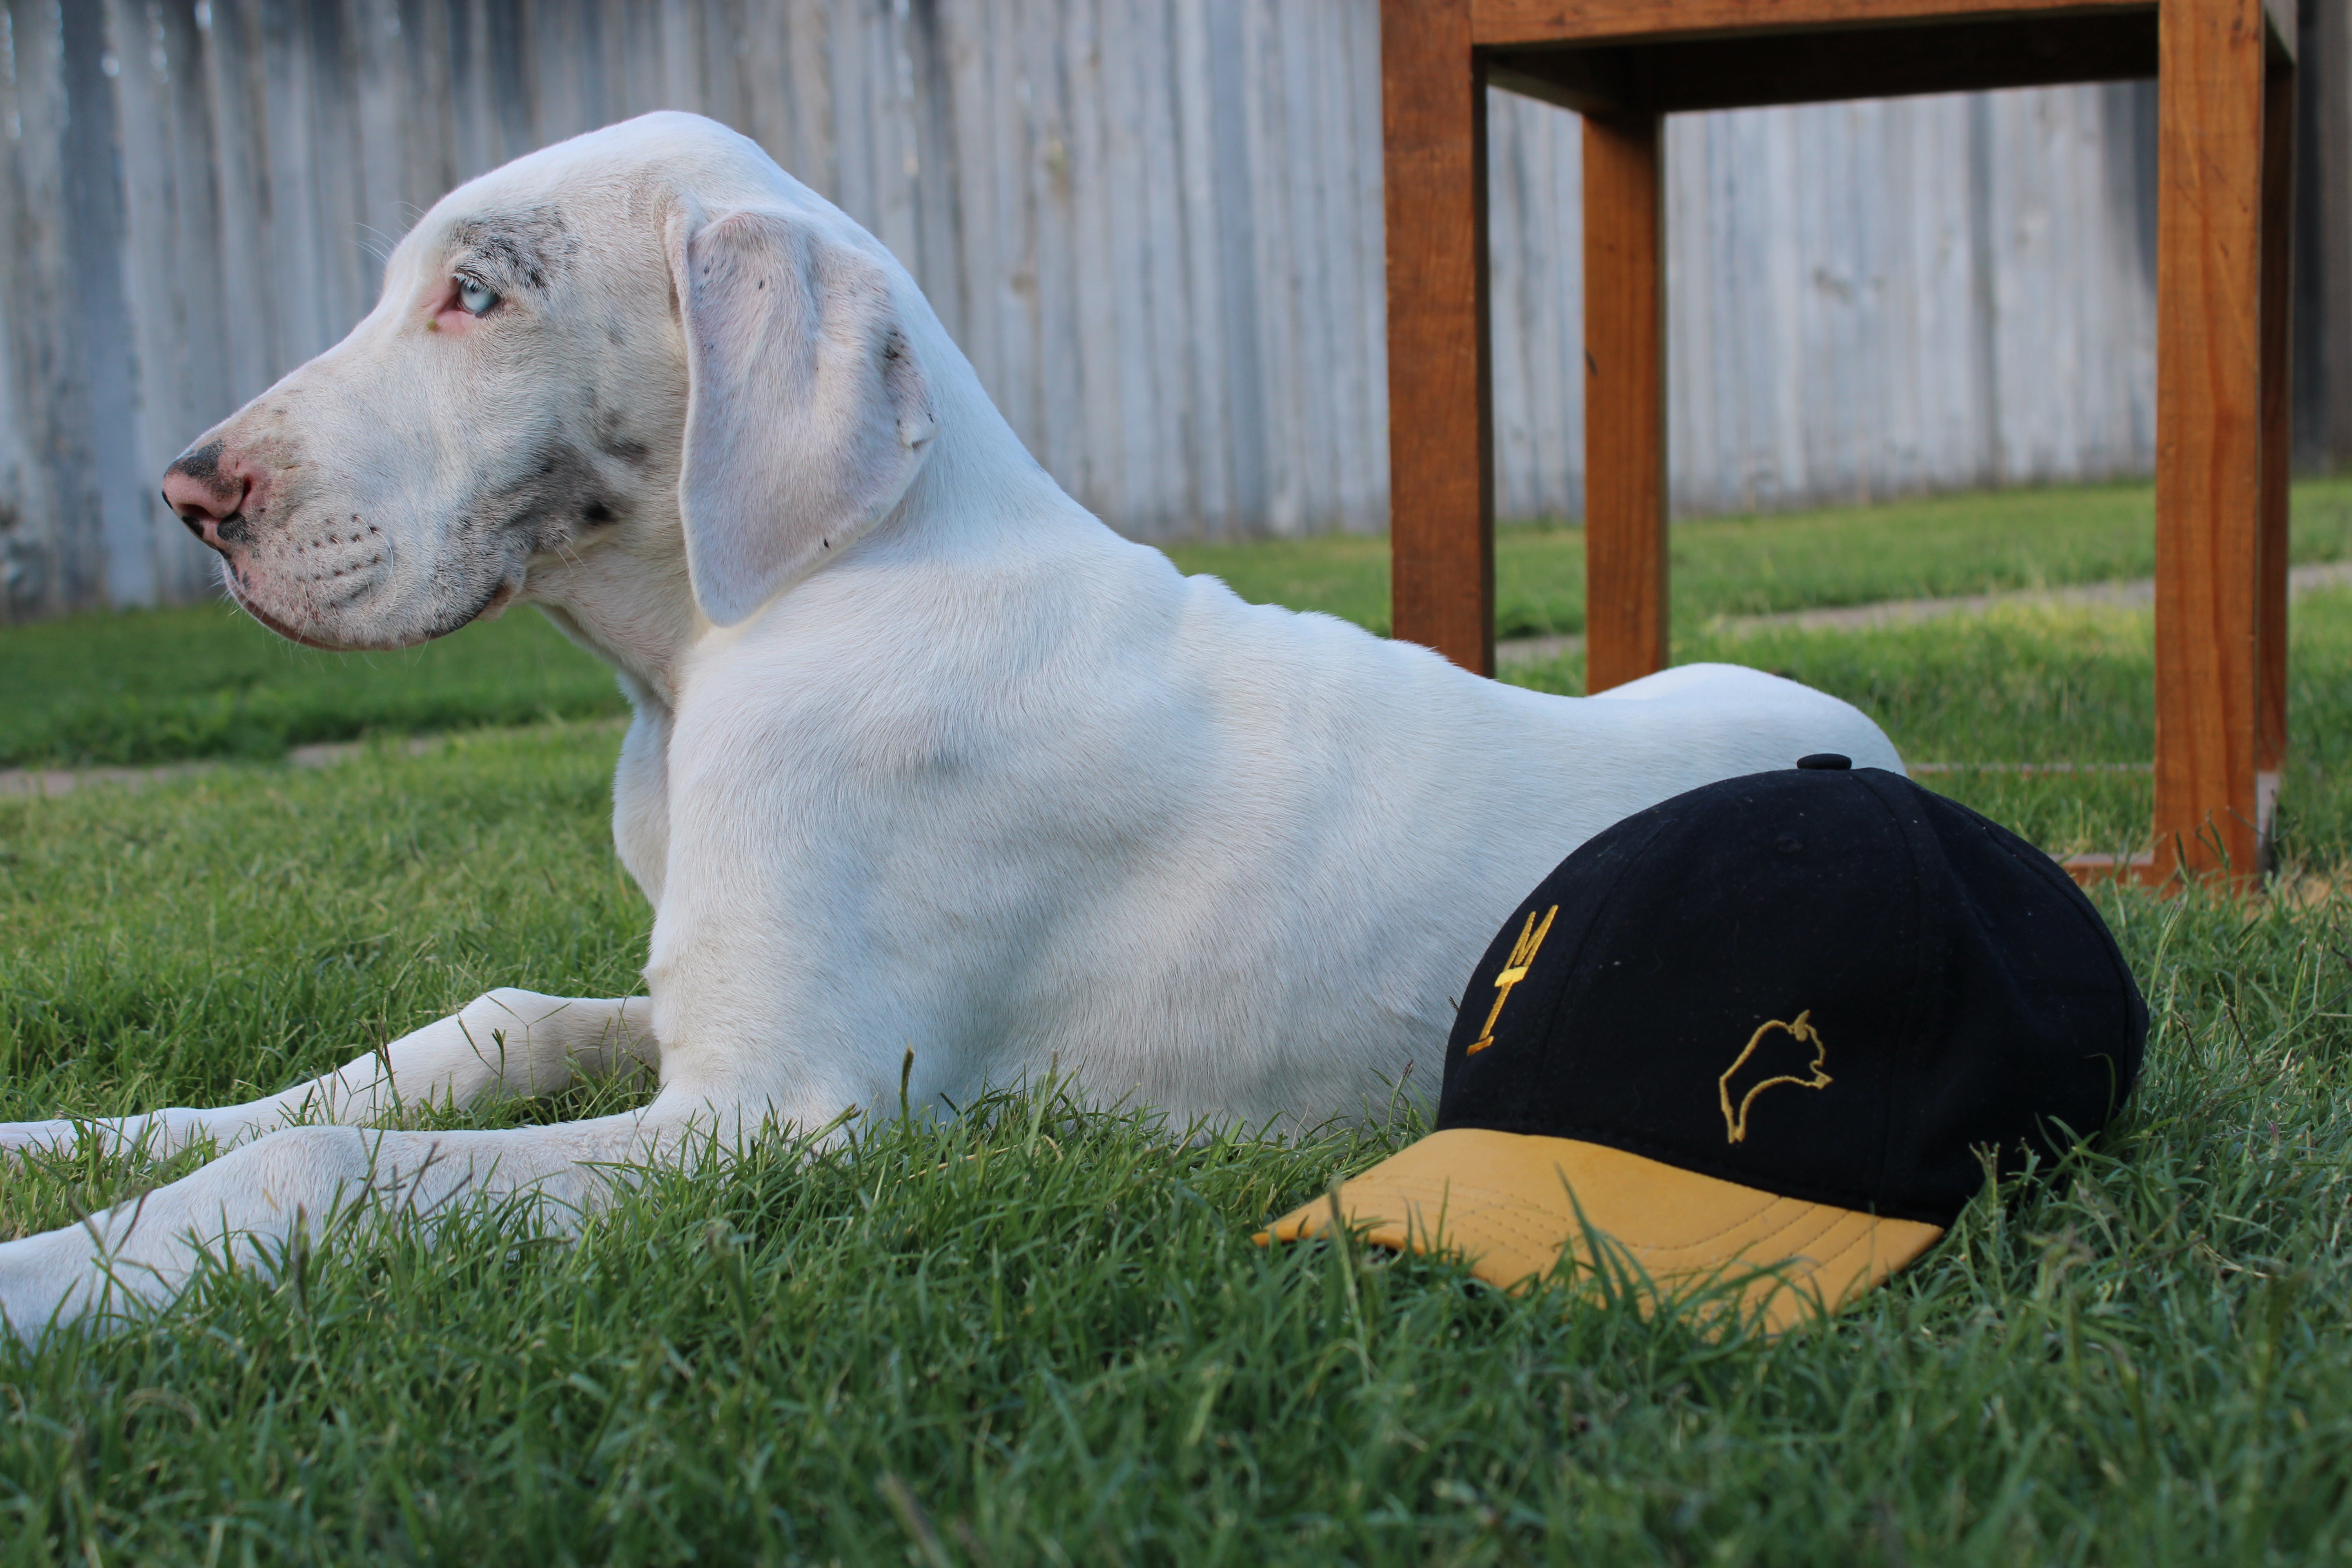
165 686
1042 1334
2031 685
1789 561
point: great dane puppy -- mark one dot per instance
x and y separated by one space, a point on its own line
924 758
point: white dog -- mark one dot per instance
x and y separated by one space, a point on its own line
925 757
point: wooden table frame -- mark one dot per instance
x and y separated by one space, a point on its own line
2225 70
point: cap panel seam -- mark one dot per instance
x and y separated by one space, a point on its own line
1603 912
2052 875
1897 1129
2055 878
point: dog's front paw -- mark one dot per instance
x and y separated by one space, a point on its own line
40 1137
117 1137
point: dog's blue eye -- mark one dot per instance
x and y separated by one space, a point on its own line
475 295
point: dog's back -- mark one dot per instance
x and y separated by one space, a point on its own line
1361 814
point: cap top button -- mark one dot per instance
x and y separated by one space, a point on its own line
1830 761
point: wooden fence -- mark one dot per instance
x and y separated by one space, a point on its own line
1154 226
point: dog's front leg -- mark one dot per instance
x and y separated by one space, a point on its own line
506 1043
145 1250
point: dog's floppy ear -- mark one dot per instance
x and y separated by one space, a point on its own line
806 412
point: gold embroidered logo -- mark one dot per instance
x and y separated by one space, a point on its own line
1523 956
1734 1121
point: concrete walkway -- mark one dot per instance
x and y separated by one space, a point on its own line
2136 594
52 781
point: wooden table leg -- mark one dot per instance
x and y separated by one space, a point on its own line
1625 612
2278 434
2210 433
1440 418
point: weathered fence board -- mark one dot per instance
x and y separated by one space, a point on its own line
1154 226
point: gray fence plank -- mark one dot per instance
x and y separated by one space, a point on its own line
1154 226
33 567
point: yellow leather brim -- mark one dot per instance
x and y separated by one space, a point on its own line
1512 1206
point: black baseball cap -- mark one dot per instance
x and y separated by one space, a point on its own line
1770 1027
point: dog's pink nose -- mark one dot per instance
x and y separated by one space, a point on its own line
206 492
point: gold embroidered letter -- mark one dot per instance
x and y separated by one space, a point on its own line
1523 957
1735 1121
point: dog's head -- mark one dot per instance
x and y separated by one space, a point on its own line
647 334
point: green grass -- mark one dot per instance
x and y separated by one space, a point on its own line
1042 1333
1756 565
160 686
1046 1334
2034 685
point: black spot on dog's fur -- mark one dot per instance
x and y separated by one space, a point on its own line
616 443
560 486
530 247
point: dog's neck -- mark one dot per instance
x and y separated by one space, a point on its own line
628 599
628 602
